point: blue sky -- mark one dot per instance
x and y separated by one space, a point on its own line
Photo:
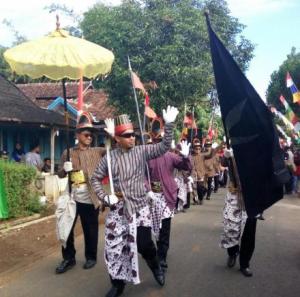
271 24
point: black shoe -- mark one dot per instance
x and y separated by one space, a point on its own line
65 265
163 264
231 261
207 198
157 271
246 272
159 275
89 264
114 292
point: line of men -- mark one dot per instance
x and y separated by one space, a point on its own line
143 202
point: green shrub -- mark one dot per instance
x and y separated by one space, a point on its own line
22 198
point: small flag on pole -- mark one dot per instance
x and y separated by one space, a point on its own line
189 121
150 113
293 88
289 112
136 82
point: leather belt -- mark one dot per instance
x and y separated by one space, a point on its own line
78 185
119 195
156 187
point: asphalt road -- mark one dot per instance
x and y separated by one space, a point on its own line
197 266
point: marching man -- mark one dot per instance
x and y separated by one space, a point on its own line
84 160
165 191
238 236
128 224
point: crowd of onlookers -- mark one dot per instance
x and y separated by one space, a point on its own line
292 161
31 158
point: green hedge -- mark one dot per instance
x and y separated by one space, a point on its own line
22 197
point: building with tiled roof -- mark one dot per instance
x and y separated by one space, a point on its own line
95 101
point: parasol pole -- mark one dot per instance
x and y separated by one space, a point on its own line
67 129
111 183
139 117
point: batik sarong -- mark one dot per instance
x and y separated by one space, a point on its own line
234 219
121 254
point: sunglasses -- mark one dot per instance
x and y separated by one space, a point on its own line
86 135
128 135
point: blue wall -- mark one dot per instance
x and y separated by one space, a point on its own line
13 134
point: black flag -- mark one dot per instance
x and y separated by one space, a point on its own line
249 125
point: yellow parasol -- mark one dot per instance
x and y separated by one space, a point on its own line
60 56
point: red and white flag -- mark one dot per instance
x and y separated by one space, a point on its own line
289 80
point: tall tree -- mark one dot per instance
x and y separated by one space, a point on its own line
277 85
167 42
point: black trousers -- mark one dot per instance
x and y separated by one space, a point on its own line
146 248
209 186
201 190
216 182
163 242
90 225
247 243
188 201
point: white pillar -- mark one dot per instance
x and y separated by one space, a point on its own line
52 152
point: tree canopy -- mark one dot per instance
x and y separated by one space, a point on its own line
277 85
167 42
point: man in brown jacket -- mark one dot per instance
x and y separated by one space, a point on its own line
217 167
84 160
198 171
209 169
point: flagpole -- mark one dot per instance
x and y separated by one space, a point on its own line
184 114
192 132
136 101
139 116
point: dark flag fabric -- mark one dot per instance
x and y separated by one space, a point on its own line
249 125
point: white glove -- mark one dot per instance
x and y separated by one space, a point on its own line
170 114
190 179
173 146
185 148
151 197
110 126
214 145
68 166
111 199
228 153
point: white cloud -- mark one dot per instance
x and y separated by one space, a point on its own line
248 8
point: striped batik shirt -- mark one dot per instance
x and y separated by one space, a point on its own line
128 171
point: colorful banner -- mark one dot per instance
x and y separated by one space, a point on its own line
294 90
